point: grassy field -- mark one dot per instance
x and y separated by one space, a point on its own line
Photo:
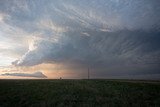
79 93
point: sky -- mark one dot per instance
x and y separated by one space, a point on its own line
63 38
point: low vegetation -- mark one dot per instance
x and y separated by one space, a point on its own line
78 93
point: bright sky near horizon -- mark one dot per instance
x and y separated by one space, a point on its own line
62 38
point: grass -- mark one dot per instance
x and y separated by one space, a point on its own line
78 93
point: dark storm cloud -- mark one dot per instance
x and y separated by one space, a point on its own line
100 48
35 74
97 33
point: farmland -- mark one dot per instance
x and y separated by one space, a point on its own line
86 93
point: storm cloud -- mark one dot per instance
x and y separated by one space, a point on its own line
103 34
106 48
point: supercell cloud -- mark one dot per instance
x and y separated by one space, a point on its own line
107 35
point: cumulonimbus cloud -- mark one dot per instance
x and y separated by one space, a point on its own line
129 47
101 33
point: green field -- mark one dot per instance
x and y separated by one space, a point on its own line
79 93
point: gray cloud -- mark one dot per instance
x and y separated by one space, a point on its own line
106 48
103 34
92 14
35 74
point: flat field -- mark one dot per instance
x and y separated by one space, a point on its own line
79 93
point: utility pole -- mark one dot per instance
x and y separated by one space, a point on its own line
88 73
